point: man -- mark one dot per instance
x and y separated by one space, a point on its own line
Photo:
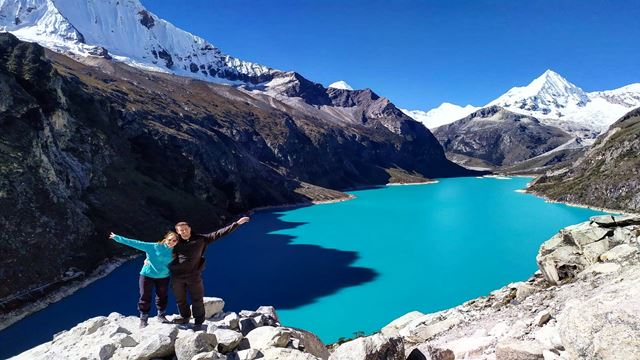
186 270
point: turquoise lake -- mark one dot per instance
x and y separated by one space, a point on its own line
336 269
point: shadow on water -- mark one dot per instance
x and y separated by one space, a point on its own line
255 266
251 267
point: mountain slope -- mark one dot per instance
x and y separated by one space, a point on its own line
606 175
499 137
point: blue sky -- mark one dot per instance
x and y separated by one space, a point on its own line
422 53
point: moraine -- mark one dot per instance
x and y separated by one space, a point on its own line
336 269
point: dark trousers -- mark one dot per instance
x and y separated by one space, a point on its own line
192 284
146 289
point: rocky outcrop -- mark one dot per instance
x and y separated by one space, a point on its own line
119 337
495 137
606 176
92 149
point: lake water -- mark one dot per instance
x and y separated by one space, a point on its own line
336 269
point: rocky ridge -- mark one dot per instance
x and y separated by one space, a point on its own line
605 176
494 137
582 304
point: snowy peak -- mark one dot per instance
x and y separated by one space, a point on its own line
444 114
129 33
546 96
341 85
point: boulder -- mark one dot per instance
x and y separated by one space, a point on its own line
268 336
269 312
600 268
286 354
518 350
212 306
542 318
469 347
309 342
190 345
549 337
211 355
153 346
603 220
226 320
248 354
619 253
428 326
523 290
374 347
561 264
228 340
604 325
393 328
584 233
592 252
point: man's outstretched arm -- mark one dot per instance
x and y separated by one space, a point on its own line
211 237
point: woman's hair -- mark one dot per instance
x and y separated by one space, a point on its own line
167 235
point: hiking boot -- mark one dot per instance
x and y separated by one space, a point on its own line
162 318
144 320
180 321
198 327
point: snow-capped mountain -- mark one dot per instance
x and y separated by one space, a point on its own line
341 85
556 101
553 100
126 31
444 114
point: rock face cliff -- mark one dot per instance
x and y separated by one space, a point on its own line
92 149
494 137
606 175
584 304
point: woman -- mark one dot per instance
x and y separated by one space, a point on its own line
154 273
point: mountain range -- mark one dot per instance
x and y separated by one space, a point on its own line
554 101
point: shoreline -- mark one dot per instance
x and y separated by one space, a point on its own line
583 206
65 290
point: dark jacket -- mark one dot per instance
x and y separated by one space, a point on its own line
189 254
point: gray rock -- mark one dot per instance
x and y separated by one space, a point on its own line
393 328
268 336
248 314
228 340
428 326
583 233
603 220
195 343
519 350
604 325
153 346
211 355
212 306
431 353
286 354
248 354
374 347
309 342
269 311
523 290
619 253
542 318
592 252
549 337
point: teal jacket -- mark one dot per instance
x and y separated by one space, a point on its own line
158 255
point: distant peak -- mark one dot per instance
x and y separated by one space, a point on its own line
341 85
